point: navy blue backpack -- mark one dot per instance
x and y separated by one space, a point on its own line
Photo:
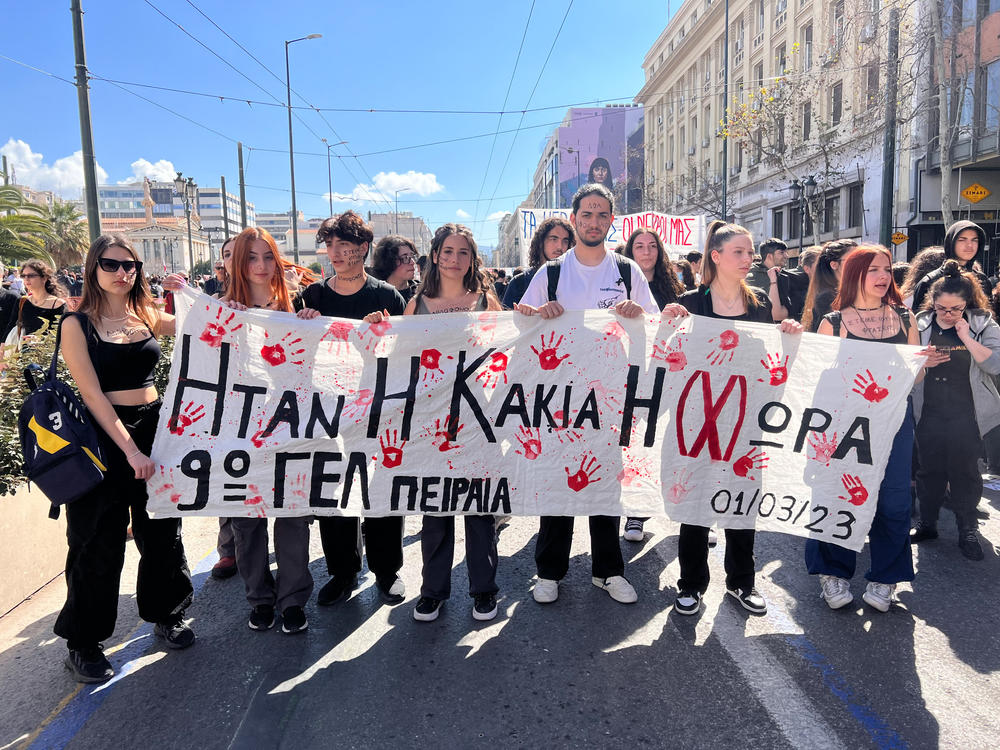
62 454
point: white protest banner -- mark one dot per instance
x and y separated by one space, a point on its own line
680 234
587 414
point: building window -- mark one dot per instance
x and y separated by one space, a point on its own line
780 61
793 222
838 25
967 100
855 206
779 134
831 213
806 121
991 94
871 95
760 15
837 103
777 224
807 47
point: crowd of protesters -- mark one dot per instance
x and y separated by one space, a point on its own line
941 301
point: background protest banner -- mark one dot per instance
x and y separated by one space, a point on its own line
680 234
587 414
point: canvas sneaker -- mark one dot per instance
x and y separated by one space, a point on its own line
546 591
394 593
633 530
750 600
923 532
89 664
261 617
427 609
836 591
484 607
618 588
879 595
293 620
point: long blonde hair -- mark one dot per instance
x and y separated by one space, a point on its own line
719 233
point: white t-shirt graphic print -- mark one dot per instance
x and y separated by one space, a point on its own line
597 287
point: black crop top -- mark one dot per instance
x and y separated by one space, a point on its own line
120 367
899 337
33 318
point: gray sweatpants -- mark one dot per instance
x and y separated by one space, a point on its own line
291 548
437 545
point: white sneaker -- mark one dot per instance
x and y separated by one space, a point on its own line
633 530
618 588
836 591
546 591
879 595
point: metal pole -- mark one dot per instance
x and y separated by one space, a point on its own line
725 115
886 224
802 220
329 176
291 159
243 187
396 215
187 211
86 136
225 211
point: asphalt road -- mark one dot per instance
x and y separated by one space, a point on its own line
582 672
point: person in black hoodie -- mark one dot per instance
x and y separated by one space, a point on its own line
965 242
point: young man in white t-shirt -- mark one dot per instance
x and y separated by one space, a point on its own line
589 279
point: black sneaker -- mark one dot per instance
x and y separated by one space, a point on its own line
89 664
750 600
485 607
293 620
261 617
392 592
969 544
336 589
923 532
427 609
687 602
175 632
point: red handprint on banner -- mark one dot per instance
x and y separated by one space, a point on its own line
187 417
255 501
485 332
430 361
496 369
585 474
372 335
565 434
360 406
392 449
672 355
823 447
215 332
444 433
167 479
530 441
776 368
612 341
746 463
864 384
725 349
633 470
855 489
337 334
680 488
607 397
275 354
548 358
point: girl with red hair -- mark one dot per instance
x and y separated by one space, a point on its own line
868 307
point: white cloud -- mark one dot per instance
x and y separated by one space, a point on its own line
387 183
463 214
162 171
497 215
64 176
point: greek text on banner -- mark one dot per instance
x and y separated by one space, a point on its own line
589 414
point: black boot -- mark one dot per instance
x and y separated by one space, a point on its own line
969 544
923 532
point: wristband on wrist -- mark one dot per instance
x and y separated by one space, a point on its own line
133 455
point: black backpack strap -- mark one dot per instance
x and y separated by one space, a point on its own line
833 319
625 271
904 317
552 268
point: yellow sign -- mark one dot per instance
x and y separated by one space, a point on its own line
898 238
975 193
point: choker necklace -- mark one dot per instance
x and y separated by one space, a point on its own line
869 309
115 320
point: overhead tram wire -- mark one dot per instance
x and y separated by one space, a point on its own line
506 96
534 88
300 96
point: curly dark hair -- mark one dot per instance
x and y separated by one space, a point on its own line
956 280
348 226
536 253
386 256
665 281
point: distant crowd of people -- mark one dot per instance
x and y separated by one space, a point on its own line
942 302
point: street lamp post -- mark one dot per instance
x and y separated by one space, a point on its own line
329 170
291 153
401 190
186 190
803 193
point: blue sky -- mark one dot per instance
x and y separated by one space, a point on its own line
376 55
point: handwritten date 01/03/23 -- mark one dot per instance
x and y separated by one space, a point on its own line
819 519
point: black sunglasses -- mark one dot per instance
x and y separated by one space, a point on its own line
111 265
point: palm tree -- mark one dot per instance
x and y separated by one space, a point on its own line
71 238
23 227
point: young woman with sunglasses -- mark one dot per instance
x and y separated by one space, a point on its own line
45 301
956 405
110 347
868 307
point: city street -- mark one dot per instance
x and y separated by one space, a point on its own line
584 671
